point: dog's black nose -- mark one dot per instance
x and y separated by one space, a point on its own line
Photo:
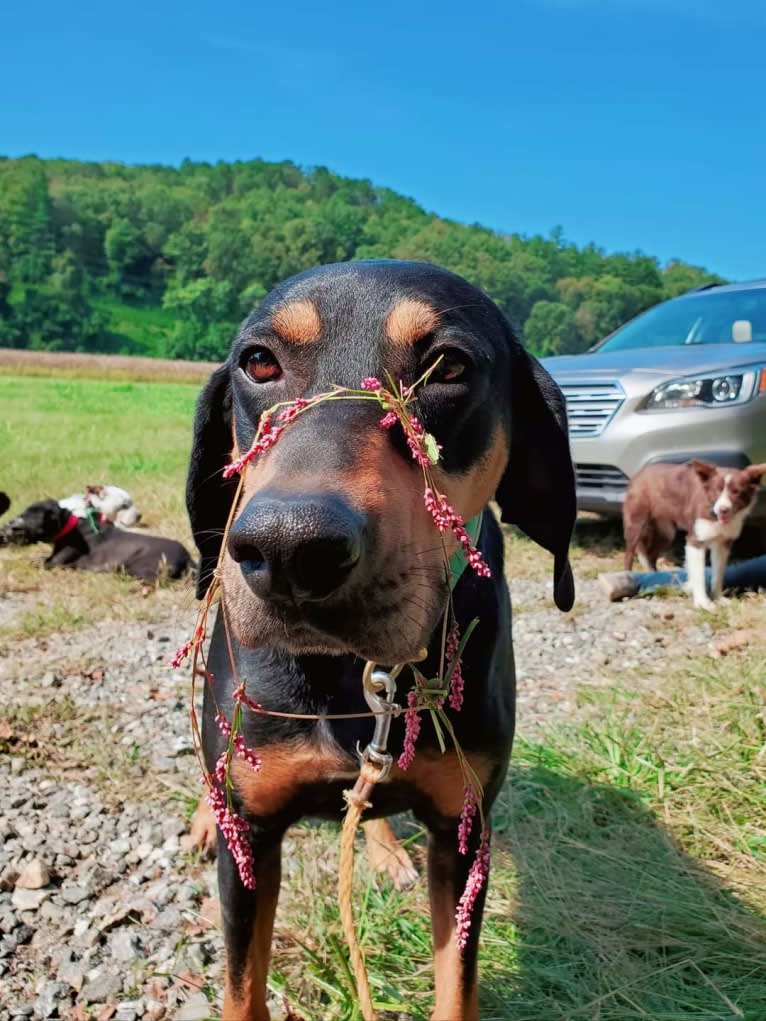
296 549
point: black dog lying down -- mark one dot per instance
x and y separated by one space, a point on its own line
94 547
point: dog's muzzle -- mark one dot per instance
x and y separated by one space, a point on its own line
14 533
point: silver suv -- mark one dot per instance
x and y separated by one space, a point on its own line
685 379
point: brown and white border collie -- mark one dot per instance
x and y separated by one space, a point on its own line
709 503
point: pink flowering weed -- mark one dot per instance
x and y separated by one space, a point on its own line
477 878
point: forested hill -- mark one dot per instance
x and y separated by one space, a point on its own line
166 261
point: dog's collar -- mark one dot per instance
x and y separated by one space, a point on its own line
68 527
96 519
458 561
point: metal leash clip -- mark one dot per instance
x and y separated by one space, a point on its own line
375 681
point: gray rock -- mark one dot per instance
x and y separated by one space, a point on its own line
129 1010
8 922
196 1008
159 892
75 894
73 973
50 997
34 875
23 935
168 918
58 916
124 945
29 900
102 987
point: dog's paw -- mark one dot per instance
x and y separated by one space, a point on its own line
388 856
202 835
704 603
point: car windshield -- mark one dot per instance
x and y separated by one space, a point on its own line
726 317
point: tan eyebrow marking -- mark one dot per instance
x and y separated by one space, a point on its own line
410 320
297 322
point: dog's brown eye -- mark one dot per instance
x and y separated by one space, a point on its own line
449 369
262 367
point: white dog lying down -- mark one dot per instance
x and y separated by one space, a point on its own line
114 503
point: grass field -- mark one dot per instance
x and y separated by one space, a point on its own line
629 870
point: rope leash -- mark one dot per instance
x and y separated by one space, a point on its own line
375 765
356 801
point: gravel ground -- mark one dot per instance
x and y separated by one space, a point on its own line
104 912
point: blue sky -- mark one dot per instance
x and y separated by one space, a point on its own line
637 124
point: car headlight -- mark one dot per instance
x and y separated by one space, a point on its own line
704 391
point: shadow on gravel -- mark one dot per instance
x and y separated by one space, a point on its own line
598 535
604 536
613 921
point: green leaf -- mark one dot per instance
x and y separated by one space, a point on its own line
438 729
431 448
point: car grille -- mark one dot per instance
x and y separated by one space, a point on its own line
590 406
600 477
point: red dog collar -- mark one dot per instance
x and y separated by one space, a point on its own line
68 527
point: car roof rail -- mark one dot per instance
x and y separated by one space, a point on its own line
704 287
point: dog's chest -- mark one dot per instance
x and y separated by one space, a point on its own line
309 778
707 531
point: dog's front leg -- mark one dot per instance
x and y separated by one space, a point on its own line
248 923
457 995
695 568
719 558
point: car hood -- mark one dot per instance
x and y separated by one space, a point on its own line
663 362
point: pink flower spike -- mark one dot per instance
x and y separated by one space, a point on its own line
236 833
240 695
456 681
221 768
180 654
371 383
411 731
247 754
241 462
446 518
470 805
223 724
293 410
389 419
416 442
267 434
477 878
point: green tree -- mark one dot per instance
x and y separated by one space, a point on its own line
551 330
129 258
204 328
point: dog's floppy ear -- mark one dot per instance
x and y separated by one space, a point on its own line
753 472
704 469
537 491
208 495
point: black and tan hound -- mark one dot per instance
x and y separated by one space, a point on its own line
333 560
